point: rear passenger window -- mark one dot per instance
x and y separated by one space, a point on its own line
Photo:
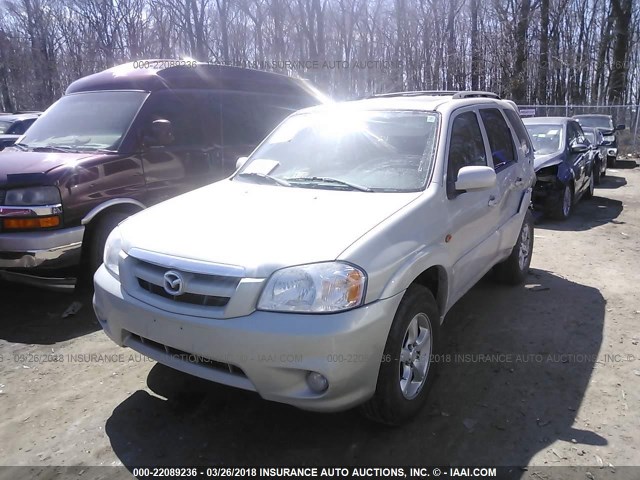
521 133
500 140
466 147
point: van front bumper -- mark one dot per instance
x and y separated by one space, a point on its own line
266 352
42 250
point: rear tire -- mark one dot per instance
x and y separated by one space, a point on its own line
513 270
407 370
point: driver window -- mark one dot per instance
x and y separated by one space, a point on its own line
466 148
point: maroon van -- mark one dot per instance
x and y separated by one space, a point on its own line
121 140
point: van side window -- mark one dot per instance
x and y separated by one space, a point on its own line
181 109
521 132
466 147
249 117
500 139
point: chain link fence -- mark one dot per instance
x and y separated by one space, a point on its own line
629 115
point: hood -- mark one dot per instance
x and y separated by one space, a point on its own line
259 227
17 162
542 161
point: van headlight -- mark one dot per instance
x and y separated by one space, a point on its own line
113 252
314 288
32 196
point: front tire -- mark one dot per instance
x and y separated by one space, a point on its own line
612 162
592 185
95 247
561 210
513 270
405 379
597 172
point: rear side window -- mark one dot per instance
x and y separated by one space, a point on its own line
466 147
521 132
500 140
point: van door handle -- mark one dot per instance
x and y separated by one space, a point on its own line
519 182
492 201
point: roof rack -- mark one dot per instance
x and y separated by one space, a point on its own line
440 93
416 93
22 112
475 94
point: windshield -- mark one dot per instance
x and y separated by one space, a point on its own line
85 121
363 150
601 122
545 138
4 126
590 136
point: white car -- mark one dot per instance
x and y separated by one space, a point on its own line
319 274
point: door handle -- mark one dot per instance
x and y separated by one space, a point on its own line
519 182
493 201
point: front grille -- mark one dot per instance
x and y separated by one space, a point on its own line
187 357
192 298
202 290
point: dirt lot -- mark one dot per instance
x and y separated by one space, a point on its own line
544 374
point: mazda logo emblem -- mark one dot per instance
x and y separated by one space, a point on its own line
173 283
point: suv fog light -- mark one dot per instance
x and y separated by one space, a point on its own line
317 382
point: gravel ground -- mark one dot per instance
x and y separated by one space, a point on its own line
547 374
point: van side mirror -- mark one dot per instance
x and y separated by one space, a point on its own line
475 178
620 127
161 134
240 162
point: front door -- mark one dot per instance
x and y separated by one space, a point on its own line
473 216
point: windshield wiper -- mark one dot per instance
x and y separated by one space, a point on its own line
352 186
55 148
264 176
21 146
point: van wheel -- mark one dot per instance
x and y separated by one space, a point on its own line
407 371
95 252
514 269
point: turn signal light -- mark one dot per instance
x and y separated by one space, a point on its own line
30 223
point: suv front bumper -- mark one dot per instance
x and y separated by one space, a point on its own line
266 352
42 250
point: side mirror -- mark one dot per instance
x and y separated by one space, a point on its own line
240 162
620 127
161 134
577 147
475 178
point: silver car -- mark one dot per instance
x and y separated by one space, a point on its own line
319 274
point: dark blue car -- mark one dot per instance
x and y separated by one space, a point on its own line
564 164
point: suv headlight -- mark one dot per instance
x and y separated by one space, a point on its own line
32 196
113 252
609 138
314 288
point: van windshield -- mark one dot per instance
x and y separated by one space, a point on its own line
369 150
85 121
